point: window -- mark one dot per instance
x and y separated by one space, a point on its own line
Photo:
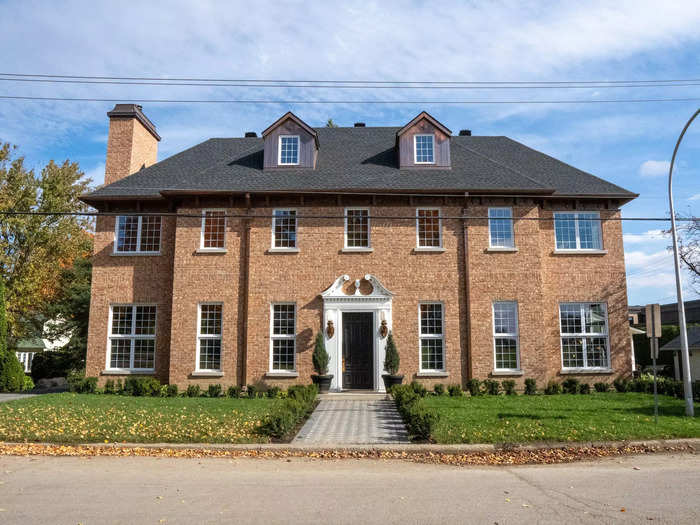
357 228
284 229
424 146
283 336
584 335
132 337
209 337
505 335
501 228
289 149
137 234
428 228
431 330
213 230
578 231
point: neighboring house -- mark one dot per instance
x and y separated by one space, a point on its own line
26 349
485 258
674 345
669 312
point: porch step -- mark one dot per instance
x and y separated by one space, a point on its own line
351 396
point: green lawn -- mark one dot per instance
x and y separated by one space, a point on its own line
610 416
89 418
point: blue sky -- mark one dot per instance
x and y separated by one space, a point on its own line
628 144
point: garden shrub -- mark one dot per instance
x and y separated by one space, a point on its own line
285 417
110 387
11 372
234 391
508 387
119 386
214 390
455 390
46 365
392 360
530 387
584 388
419 388
274 392
552 388
419 421
82 385
491 387
570 385
473 387
601 386
439 389
193 391
141 386
171 391
28 384
251 390
621 385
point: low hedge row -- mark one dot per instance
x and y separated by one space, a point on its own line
419 421
284 418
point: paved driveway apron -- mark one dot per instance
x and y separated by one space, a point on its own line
353 422
14 397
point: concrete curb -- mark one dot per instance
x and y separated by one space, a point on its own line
690 444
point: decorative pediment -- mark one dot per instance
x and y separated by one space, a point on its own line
369 288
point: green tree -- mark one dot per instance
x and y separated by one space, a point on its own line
36 247
320 356
11 371
331 124
391 359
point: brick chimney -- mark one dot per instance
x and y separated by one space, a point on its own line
132 143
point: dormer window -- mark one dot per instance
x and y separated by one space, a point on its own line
424 148
289 150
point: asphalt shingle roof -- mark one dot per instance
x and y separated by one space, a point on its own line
693 340
361 159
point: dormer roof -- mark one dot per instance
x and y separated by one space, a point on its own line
291 116
424 115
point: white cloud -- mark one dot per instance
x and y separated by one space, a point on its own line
695 197
646 237
96 174
639 260
654 168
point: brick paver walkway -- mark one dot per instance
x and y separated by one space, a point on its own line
353 421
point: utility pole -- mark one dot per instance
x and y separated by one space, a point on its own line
685 358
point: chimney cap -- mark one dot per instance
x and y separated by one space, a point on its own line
359 124
465 133
134 111
250 134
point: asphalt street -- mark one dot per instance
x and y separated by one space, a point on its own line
66 490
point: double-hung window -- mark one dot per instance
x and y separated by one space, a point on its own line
357 228
584 335
578 231
289 150
283 337
209 337
501 228
431 329
137 234
284 229
505 336
424 148
132 337
428 228
213 230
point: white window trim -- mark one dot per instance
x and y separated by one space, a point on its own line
294 248
369 232
132 336
583 335
201 235
429 248
274 337
515 336
578 235
138 250
279 150
512 232
201 336
415 149
422 336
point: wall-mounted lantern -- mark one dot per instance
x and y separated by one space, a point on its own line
330 329
383 329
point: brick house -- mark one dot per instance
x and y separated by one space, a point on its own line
484 258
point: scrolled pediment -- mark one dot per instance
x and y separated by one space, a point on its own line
365 289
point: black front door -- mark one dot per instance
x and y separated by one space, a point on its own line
358 357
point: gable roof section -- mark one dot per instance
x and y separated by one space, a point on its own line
424 115
360 160
693 340
291 116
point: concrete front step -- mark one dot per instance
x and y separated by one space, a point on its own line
354 395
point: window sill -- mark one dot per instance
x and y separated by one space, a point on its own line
583 371
496 249
357 250
512 373
282 374
134 254
432 374
429 249
283 250
206 373
126 372
208 251
580 252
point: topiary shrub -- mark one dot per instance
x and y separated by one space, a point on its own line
530 387
193 391
584 388
251 390
110 387
570 385
601 386
439 389
214 390
419 388
11 370
141 386
320 357
552 388
508 387
171 391
455 390
621 385
392 360
234 391
491 387
473 387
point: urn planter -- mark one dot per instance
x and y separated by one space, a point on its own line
323 382
391 380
